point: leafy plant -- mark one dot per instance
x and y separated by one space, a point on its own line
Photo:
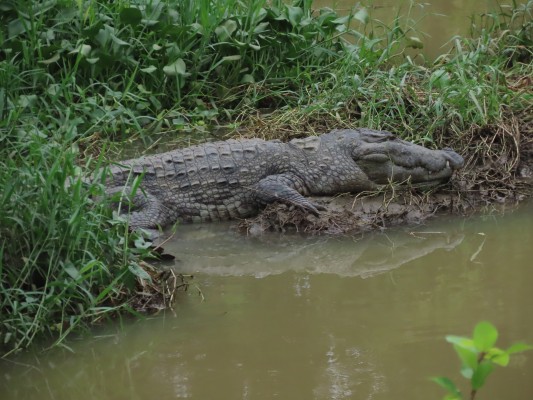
478 357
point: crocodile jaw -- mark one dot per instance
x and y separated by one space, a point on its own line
391 159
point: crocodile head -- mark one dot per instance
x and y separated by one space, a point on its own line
384 158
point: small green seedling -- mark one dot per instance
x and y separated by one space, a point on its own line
478 357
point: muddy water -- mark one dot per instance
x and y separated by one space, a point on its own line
295 317
435 22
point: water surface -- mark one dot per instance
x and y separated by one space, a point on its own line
298 317
434 22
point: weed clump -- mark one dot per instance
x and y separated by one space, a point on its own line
65 260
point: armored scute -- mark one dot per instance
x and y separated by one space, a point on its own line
235 178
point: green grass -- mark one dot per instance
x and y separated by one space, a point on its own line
77 76
64 259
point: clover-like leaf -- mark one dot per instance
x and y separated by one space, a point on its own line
362 16
178 67
485 336
295 15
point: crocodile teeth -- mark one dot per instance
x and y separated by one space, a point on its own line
447 164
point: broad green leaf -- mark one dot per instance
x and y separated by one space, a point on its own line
49 34
447 384
27 100
139 272
262 27
260 14
480 374
72 271
176 68
7 337
53 89
468 357
140 243
103 36
295 15
362 16
30 299
131 16
485 336
518 348
6 6
84 50
247 78
226 30
118 40
502 358
142 89
197 28
16 27
440 78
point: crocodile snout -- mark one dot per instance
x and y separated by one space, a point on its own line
454 160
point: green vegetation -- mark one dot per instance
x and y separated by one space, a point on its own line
78 76
478 357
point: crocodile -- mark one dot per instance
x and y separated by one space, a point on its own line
235 178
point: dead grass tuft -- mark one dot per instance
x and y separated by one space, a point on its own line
159 292
496 160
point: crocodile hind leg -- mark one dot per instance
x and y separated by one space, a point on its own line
143 209
285 188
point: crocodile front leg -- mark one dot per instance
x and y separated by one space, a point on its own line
285 188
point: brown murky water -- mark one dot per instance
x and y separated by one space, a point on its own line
295 317
435 22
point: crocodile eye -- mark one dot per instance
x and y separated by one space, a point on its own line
380 136
387 136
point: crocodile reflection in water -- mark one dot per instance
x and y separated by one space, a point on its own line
212 249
